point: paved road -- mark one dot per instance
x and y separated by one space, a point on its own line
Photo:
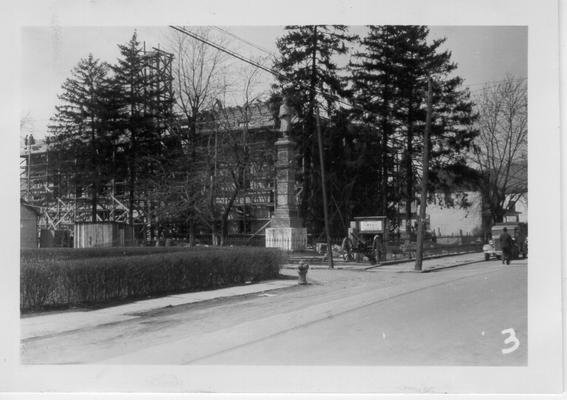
449 317
459 322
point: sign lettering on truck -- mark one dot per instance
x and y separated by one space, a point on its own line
371 225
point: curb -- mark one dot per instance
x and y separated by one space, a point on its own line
423 271
321 264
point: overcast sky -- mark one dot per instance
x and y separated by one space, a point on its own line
484 54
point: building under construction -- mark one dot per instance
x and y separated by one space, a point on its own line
236 149
233 151
48 183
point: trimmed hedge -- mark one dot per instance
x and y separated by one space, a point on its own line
66 253
48 281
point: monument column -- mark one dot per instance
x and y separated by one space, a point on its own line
286 229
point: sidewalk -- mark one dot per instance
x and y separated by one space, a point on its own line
57 322
67 321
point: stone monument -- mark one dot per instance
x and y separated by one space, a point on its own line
286 229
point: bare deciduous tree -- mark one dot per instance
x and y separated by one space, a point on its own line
500 151
199 74
216 163
237 155
229 157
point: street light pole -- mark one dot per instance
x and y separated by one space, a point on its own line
424 179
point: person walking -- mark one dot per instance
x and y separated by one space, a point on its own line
506 245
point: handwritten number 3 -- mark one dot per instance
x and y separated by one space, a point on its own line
511 339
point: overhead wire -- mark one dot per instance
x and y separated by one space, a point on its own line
254 63
257 47
283 77
225 50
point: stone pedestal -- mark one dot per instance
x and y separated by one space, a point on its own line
286 229
290 239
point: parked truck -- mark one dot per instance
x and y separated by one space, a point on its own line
519 233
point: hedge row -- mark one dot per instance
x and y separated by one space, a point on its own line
66 253
50 282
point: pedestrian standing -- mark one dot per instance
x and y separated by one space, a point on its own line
378 247
506 245
346 248
357 246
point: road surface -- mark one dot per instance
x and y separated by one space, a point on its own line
458 322
470 315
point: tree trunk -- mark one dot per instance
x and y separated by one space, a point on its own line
409 171
309 178
224 218
94 199
384 159
191 227
131 191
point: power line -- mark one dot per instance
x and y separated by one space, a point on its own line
257 47
283 77
273 55
225 50
254 63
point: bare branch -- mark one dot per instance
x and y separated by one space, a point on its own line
501 147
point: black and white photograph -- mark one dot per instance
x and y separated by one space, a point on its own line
334 204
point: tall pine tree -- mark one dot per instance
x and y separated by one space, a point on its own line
390 83
80 131
146 112
309 78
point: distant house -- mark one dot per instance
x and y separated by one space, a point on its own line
517 191
29 218
454 220
448 221
520 207
476 219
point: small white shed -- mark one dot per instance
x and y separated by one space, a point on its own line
103 234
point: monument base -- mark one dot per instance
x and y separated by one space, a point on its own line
291 239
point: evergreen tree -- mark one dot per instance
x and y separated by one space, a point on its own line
390 84
374 99
351 171
146 102
79 127
310 78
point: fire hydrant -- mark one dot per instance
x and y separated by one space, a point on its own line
302 272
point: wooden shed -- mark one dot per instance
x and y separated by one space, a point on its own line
103 234
29 218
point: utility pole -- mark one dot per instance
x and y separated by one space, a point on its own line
424 179
324 189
